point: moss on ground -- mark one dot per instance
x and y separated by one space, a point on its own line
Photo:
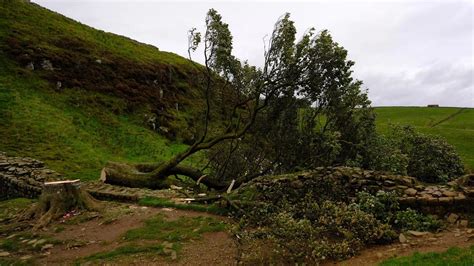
159 202
9 208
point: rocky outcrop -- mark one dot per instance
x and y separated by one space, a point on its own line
23 177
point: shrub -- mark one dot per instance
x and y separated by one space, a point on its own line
334 230
311 216
382 206
405 151
412 220
432 159
384 154
385 208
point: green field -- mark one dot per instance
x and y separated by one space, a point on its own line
455 124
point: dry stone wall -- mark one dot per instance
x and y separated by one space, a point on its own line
23 177
346 182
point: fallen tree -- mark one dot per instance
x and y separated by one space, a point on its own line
315 111
150 175
244 92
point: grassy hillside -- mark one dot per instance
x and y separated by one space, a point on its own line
456 125
108 84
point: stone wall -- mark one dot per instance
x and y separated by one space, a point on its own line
458 194
346 181
23 177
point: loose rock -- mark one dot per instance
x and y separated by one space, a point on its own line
402 238
410 191
463 223
39 242
452 218
47 65
417 234
46 247
30 66
4 254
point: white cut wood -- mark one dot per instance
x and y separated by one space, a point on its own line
200 179
103 175
231 186
175 187
62 182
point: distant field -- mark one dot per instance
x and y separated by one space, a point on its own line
455 124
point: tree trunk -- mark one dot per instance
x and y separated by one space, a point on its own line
148 176
131 176
56 199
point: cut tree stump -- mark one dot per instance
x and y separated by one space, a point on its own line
58 198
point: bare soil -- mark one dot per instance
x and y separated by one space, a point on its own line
90 237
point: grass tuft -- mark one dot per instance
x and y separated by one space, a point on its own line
182 229
453 257
169 236
125 250
159 202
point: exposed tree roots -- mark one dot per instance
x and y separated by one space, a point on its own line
58 198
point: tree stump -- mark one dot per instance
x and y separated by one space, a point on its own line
57 198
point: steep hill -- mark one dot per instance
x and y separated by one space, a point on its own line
456 125
76 97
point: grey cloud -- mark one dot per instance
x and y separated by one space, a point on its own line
406 52
447 85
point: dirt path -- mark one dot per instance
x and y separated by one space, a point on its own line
213 249
87 238
94 236
439 242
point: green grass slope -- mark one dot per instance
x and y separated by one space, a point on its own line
98 113
72 131
456 125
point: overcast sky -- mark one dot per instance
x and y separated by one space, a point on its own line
408 53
